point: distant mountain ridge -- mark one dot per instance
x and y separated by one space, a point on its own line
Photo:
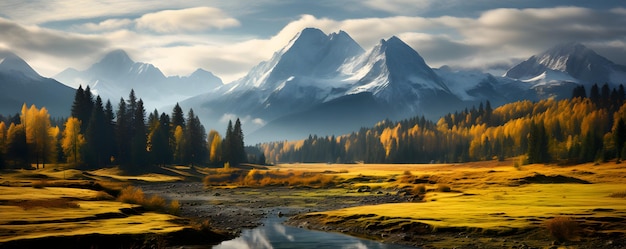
572 62
325 84
21 84
116 74
299 84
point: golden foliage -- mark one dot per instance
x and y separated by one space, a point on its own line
135 195
259 178
73 140
563 228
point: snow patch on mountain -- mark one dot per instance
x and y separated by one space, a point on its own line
551 78
10 63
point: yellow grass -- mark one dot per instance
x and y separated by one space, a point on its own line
135 195
36 203
37 221
116 173
260 178
485 196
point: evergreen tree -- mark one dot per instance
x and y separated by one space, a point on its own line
122 134
619 138
226 144
579 92
138 146
161 141
110 143
159 138
195 150
96 145
594 94
178 117
238 153
538 151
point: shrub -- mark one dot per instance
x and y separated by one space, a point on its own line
40 184
419 189
174 207
563 228
444 188
621 194
131 195
103 196
134 195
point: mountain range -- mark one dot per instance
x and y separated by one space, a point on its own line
328 84
116 74
20 84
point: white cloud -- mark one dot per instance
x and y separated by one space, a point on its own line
106 25
495 37
399 6
186 20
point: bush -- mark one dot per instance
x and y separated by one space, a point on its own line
131 195
563 228
621 194
134 195
103 196
444 188
174 207
258 178
419 189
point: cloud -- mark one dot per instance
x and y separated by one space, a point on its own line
399 6
106 25
495 37
252 122
186 20
47 49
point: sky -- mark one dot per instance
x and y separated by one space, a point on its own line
228 38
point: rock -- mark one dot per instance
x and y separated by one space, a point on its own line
217 194
363 189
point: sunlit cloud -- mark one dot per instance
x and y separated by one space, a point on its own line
182 40
106 25
186 20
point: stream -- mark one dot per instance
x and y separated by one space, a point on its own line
274 235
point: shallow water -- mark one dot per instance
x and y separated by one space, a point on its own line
274 235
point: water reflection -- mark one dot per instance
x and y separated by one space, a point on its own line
275 235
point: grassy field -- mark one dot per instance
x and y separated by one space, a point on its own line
63 203
485 204
483 199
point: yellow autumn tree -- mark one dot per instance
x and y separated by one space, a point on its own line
72 141
215 146
39 136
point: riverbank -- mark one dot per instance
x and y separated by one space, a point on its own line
475 205
64 208
490 205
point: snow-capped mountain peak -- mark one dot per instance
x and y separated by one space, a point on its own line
11 63
393 64
573 60
311 57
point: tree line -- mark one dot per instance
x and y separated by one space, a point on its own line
96 136
584 128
